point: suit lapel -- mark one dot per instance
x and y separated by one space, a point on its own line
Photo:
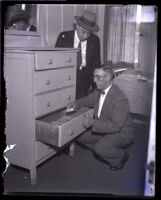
89 50
72 36
108 98
69 39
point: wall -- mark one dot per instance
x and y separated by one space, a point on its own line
55 18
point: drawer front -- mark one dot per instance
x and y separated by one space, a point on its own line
49 60
61 131
42 150
53 79
71 129
50 102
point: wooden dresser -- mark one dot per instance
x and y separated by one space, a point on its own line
39 82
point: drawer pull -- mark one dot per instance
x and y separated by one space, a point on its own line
71 132
48 82
48 104
69 60
69 77
50 61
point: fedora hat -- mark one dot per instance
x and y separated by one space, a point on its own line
17 17
87 21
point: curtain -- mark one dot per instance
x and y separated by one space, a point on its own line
120 34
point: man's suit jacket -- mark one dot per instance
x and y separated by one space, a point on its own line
115 116
32 28
66 39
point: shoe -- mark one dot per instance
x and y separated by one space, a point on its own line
122 162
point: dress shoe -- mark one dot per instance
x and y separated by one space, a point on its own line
122 162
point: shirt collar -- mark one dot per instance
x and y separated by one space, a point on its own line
76 36
107 89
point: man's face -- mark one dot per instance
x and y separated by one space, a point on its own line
102 79
83 34
20 25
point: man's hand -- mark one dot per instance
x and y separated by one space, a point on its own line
87 121
71 107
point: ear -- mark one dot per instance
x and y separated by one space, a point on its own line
109 79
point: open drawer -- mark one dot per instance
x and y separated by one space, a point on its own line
58 128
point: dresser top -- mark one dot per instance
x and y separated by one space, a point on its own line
39 49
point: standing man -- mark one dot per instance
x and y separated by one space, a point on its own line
111 127
83 37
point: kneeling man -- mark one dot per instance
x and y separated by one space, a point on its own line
111 126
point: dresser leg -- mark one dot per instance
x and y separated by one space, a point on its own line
72 149
33 176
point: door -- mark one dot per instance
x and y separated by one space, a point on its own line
147 40
149 189
150 163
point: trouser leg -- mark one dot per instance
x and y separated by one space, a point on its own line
110 148
88 140
82 84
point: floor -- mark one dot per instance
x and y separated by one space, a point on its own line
84 174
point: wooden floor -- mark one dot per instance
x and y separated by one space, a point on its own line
84 174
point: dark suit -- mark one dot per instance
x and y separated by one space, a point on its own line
84 77
32 28
113 130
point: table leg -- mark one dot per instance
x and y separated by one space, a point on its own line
33 176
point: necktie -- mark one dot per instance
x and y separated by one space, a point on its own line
101 91
79 56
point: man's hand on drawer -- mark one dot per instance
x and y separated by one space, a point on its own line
87 121
72 107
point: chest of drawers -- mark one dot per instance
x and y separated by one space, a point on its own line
39 82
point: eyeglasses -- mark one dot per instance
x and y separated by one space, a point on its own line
98 77
83 31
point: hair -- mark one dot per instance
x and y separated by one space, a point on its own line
74 25
21 19
108 69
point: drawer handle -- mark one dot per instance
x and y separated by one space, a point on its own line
48 104
48 82
71 132
69 77
50 61
69 60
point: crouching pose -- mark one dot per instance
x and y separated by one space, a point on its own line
111 126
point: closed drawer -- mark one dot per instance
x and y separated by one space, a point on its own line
48 60
53 79
59 129
53 101
43 150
